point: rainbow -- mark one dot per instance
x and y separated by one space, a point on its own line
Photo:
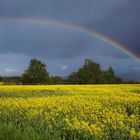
46 21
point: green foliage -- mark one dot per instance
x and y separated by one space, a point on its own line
91 73
11 132
73 78
131 82
36 73
0 78
15 80
56 80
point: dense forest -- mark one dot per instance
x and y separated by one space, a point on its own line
89 73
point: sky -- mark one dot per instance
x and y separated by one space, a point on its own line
65 49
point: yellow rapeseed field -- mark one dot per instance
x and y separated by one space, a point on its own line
70 112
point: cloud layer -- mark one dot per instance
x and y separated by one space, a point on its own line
64 49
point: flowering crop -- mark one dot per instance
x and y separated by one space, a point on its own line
70 112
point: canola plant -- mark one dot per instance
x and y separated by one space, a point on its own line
70 112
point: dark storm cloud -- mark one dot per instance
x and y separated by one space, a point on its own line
51 42
118 19
123 24
35 40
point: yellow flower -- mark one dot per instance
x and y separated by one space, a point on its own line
132 132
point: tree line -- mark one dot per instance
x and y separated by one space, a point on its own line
89 73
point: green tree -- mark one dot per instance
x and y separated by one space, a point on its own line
56 80
110 76
0 78
91 73
102 79
73 78
36 73
88 74
118 80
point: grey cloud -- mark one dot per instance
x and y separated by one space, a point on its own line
51 42
118 19
122 24
34 41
